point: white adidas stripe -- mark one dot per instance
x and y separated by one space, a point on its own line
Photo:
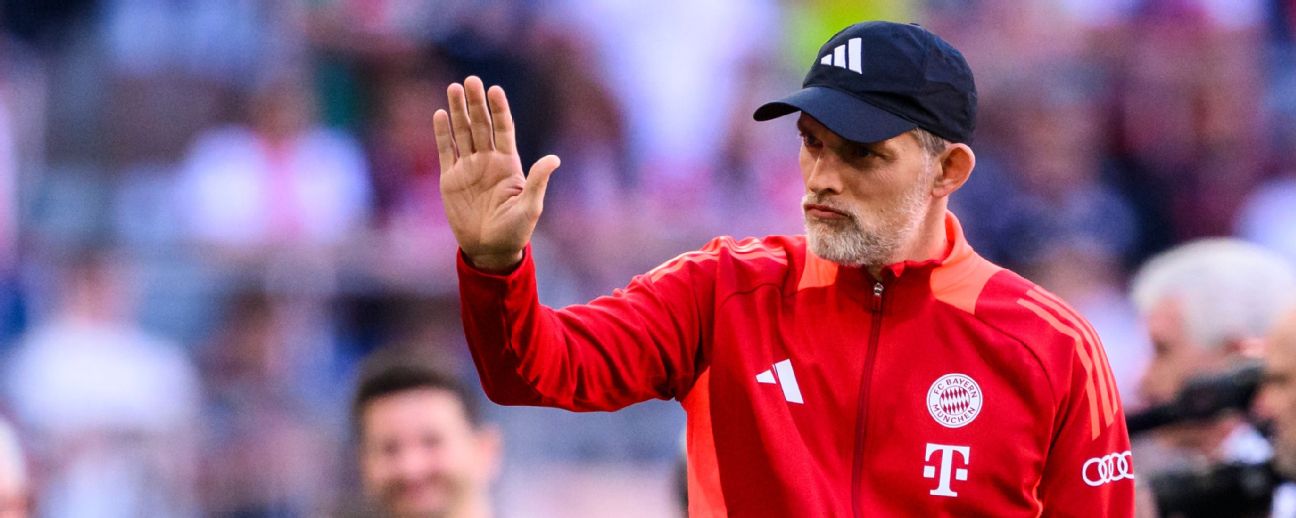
848 55
854 62
788 381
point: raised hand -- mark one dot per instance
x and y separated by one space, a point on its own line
491 206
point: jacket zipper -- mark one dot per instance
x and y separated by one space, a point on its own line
861 416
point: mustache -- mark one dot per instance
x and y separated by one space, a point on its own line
816 199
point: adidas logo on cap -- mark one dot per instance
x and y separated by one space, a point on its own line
846 55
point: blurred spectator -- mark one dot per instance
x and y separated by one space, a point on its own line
403 159
268 449
109 409
1276 403
588 131
1275 406
1191 138
219 40
15 491
405 174
1207 306
1044 184
282 181
677 76
424 449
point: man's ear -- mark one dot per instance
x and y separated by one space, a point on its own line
956 164
490 450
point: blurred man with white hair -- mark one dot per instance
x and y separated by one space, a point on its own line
1276 404
1207 306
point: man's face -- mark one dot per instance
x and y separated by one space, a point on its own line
1277 400
1177 358
863 202
420 456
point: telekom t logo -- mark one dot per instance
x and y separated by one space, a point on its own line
947 454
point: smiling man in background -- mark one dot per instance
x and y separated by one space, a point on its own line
424 451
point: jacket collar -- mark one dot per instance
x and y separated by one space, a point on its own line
955 278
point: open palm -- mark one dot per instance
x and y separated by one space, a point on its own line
491 206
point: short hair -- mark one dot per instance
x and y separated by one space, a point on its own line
1227 289
386 380
930 142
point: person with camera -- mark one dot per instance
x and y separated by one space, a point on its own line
1276 406
1207 306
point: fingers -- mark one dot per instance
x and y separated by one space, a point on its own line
444 142
537 181
502 119
478 115
459 119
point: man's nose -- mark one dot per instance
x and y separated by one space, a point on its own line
413 466
824 175
1262 406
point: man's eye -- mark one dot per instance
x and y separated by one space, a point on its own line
861 152
808 140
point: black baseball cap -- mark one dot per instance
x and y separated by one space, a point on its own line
875 80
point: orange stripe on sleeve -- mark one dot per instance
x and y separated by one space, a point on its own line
679 261
1084 360
711 252
1095 352
760 253
1102 351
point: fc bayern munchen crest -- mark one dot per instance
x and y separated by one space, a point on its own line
954 400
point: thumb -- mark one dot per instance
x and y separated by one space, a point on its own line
537 181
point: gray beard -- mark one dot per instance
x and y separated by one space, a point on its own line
845 243
849 243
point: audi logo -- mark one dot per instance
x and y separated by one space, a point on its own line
1108 468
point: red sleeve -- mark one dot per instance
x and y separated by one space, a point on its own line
1090 471
641 342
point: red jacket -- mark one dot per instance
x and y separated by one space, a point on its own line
946 388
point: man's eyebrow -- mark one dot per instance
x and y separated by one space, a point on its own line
879 146
801 126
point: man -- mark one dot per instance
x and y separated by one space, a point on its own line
122 441
876 366
423 449
1276 404
1207 306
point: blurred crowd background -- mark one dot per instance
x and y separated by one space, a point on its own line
212 210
